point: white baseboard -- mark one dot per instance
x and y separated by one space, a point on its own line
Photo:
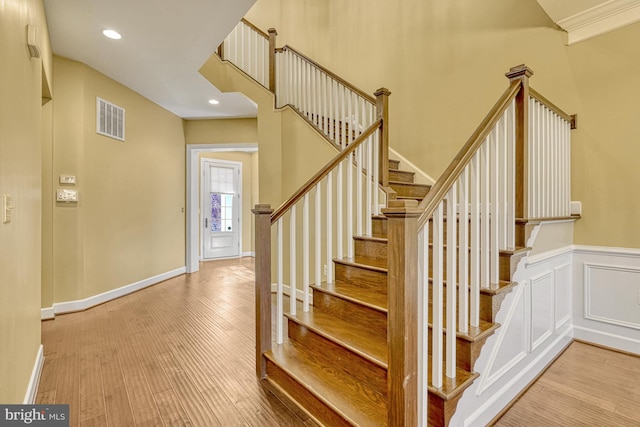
34 381
79 305
47 313
251 254
607 339
286 289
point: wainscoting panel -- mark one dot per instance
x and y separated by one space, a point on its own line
542 308
562 285
607 296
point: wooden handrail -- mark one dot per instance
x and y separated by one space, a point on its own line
334 76
551 106
313 181
442 186
254 28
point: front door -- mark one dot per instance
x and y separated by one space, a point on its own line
220 208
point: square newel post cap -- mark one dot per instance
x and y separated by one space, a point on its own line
518 72
382 91
272 31
262 209
402 209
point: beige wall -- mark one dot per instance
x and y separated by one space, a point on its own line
221 131
444 62
606 148
129 222
20 159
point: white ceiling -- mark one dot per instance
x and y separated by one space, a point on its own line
164 43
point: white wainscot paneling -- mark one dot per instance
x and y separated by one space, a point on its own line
542 308
562 285
612 294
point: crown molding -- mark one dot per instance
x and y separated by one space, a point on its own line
606 17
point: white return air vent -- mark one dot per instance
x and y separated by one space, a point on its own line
109 119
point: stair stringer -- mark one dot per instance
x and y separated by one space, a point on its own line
536 327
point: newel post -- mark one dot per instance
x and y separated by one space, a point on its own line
272 59
263 284
221 50
402 319
382 112
522 73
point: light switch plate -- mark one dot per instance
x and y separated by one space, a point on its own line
67 179
67 195
7 207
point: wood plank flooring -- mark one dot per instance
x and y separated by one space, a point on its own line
585 386
180 353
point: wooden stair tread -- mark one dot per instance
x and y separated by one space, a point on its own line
371 238
364 262
474 334
410 184
354 293
362 342
451 387
502 286
352 400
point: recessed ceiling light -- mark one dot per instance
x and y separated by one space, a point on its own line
112 34
214 101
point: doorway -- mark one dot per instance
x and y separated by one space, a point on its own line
220 208
193 224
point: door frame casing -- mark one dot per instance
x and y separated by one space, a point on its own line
204 160
192 223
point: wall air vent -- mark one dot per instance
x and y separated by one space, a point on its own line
109 119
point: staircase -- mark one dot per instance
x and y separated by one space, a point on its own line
334 360
369 349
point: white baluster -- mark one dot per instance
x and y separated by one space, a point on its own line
474 279
423 319
330 227
511 179
279 290
318 234
292 261
437 300
339 214
452 270
485 184
349 236
376 174
463 254
359 211
494 201
372 187
305 252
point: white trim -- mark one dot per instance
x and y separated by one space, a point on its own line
286 290
607 251
421 176
192 222
600 19
588 267
47 313
607 339
534 260
83 304
34 381
251 254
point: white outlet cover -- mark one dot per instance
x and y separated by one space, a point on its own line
67 179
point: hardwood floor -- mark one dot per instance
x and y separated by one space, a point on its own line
180 353
586 386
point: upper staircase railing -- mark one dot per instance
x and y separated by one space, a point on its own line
338 109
